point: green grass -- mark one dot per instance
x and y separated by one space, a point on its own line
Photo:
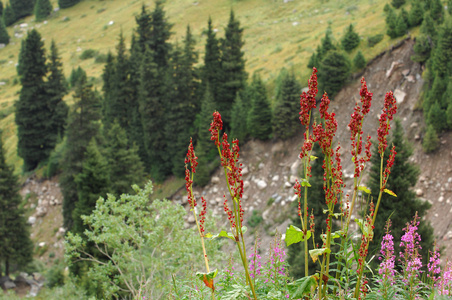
276 35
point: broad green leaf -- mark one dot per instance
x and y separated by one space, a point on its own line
365 228
222 234
302 287
295 235
244 229
390 192
207 278
364 189
305 182
313 157
337 215
316 252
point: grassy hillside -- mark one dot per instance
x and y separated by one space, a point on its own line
277 35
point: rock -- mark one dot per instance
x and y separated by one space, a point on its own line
295 23
419 192
275 178
417 137
422 179
278 198
292 179
293 198
261 166
111 23
399 95
261 184
283 203
212 202
288 185
215 190
265 215
410 78
191 219
246 184
441 199
31 220
23 25
42 244
414 125
294 167
61 231
406 72
245 170
41 211
219 199
215 179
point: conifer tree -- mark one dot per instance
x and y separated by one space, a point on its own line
442 59
437 117
77 77
391 23
286 121
333 72
359 61
211 72
143 29
83 125
416 14
233 68
16 248
67 3
397 3
33 114
431 140
422 49
350 39
4 36
9 17
125 166
403 178
43 8
92 182
449 7
437 11
22 8
108 84
1 9
428 27
116 106
159 36
152 111
447 98
239 115
56 88
205 149
401 25
260 114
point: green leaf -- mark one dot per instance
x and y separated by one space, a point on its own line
313 157
365 228
364 189
390 192
207 278
244 229
295 235
222 234
305 182
337 215
302 286
316 252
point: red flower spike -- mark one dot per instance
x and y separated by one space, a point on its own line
215 127
307 100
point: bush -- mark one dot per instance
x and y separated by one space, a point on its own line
255 219
431 140
88 53
101 58
359 61
374 39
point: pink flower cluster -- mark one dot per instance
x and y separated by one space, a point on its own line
410 257
255 265
387 266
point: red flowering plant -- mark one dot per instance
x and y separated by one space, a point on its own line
191 162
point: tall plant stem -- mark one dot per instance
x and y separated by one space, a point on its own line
381 191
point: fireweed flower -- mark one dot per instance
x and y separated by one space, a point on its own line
276 261
444 284
410 257
386 269
433 265
255 265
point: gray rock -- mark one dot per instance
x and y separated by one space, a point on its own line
261 184
294 167
292 179
419 192
245 170
31 220
215 179
275 178
287 185
261 166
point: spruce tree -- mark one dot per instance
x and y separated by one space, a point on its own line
152 112
143 29
391 23
4 36
205 148
83 125
403 177
359 61
397 3
33 114
43 8
56 88
416 14
9 17
1 9
211 72
422 49
401 26
430 142
428 28
16 248
22 8
442 58
333 72
67 3
233 68
437 117
286 121
77 77
116 106
437 11
447 98
92 182
159 36
350 40
239 116
125 166
260 114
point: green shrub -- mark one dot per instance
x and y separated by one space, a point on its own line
88 53
374 39
101 58
255 219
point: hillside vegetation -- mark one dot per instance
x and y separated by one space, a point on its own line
276 35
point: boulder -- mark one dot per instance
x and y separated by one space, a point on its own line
294 167
261 184
419 192
292 179
215 179
31 220
275 178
